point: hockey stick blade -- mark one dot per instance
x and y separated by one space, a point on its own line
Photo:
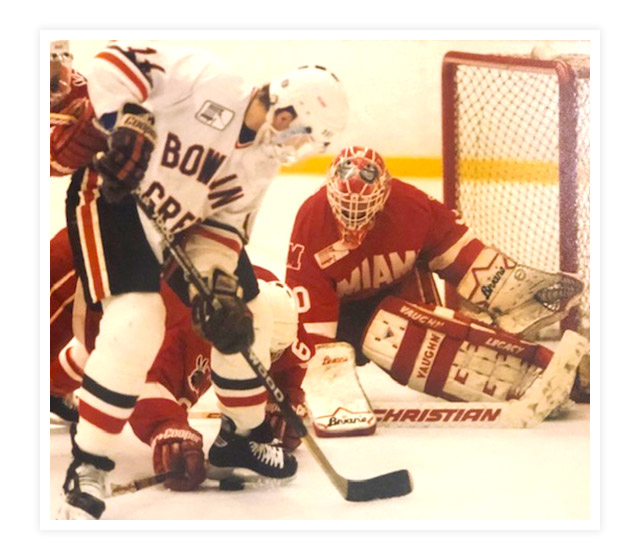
390 485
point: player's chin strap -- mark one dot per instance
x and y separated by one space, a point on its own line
397 483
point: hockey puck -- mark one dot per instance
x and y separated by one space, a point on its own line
231 484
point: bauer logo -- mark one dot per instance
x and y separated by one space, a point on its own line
214 115
487 289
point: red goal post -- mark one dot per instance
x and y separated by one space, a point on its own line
516 159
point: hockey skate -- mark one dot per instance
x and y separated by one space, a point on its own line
232 455
85 487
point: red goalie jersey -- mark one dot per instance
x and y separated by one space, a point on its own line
340 274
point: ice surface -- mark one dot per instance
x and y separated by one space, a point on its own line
459 474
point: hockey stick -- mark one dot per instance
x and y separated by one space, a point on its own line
140 483
397 483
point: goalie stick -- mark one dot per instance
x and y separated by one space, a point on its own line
396 483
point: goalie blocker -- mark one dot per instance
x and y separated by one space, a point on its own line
496 378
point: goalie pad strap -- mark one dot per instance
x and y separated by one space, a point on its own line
435 351
459 327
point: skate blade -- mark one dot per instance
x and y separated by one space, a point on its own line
248 477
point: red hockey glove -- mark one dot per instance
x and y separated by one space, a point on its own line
178 447
73 145
229 326
125 162
281 430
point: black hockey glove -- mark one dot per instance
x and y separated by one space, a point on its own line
123 165
227 322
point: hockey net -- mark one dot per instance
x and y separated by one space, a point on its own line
516 160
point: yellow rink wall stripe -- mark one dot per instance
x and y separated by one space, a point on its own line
398 166
543 172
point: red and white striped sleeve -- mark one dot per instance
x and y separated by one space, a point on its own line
124 73
451 247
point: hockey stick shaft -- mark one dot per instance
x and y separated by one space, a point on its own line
389 485
141 483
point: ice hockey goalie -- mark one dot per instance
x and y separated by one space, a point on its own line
365 238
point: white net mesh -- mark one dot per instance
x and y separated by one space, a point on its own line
507 152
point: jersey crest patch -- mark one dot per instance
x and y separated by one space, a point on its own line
214 115
331 254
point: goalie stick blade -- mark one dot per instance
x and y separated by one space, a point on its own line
390 485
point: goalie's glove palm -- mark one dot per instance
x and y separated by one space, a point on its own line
226 322
123 165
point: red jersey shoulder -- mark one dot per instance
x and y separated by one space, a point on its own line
409 198
315 225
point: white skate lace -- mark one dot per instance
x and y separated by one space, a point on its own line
268 454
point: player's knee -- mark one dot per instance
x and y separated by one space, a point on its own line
133 326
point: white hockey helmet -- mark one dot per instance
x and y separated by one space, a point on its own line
357 189
284 314
318 102
60 60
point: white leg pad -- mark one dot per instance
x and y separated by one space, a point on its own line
335 399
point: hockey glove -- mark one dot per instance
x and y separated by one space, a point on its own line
226 322
178 448
281 430
73 145
130 145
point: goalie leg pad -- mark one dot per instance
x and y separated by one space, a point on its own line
441 353
334 396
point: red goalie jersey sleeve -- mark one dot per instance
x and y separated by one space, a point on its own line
323 273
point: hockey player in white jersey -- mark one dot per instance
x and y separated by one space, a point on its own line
199 146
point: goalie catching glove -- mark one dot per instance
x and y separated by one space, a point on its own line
178 448
226 322
123 165
516 298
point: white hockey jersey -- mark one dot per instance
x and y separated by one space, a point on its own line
200 177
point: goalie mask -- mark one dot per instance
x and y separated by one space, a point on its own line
308 107
357 190
60 60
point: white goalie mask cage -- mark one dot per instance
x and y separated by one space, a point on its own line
319 104
357 189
